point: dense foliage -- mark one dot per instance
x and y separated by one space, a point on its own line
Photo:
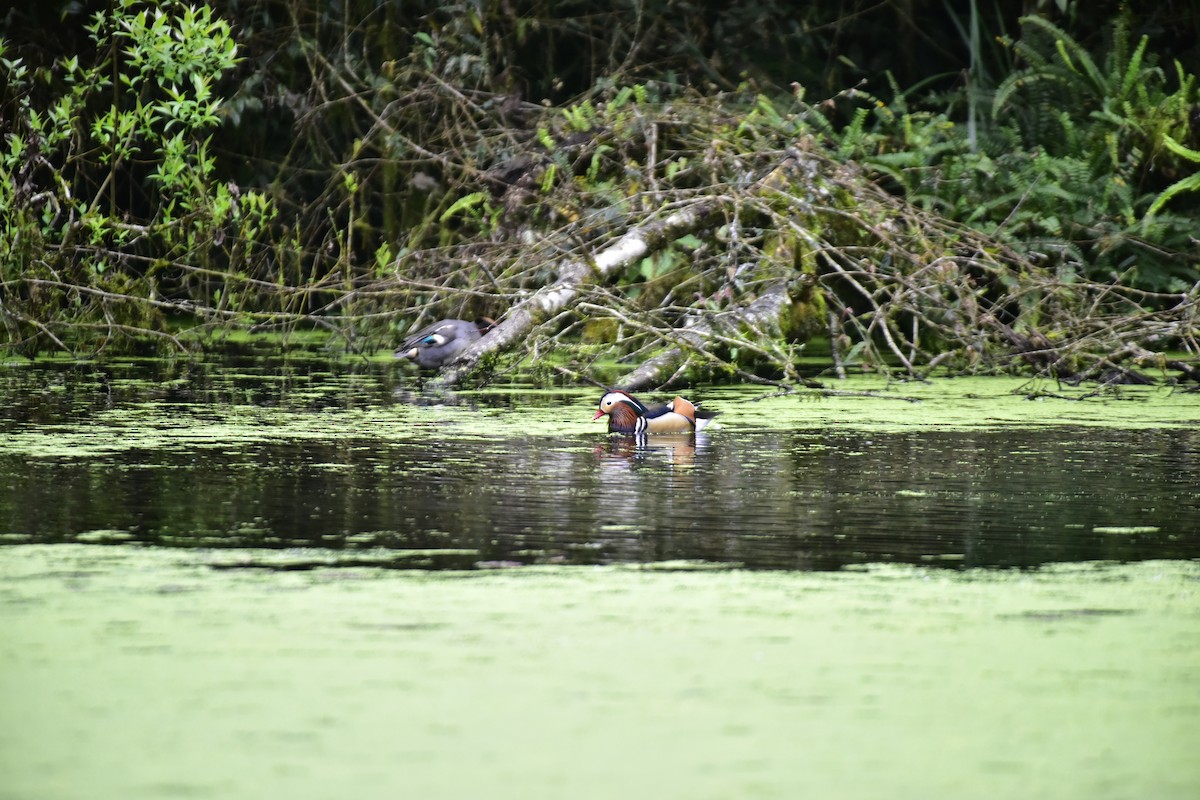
967 187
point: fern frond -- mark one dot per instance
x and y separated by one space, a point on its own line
853 136
1189 184
1020 81
1133 73
1180 150
1070 51
1028 53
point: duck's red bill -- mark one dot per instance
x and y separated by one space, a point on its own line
599 414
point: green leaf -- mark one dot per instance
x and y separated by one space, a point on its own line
1180 150
548 178
463 204
1189 184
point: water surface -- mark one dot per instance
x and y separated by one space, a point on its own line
347 458
295 576
796 500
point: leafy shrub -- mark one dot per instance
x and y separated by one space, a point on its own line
114 214
1071 166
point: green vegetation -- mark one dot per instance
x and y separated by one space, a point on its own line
192 407
115 213
967 189
589 682
1069 166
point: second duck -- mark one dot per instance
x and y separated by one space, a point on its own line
440 343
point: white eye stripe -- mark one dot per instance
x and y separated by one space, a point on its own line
611 399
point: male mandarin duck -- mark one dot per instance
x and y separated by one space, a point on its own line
629 415
441 342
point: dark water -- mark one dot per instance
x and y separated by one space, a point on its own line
806 499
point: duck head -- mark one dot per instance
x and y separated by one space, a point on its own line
625 414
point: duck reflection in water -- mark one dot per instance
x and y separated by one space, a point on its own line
677 449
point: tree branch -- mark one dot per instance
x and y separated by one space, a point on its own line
573 276
700 330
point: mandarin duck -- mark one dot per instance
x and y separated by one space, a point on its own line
626 414
439 344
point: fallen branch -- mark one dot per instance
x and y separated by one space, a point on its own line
573 276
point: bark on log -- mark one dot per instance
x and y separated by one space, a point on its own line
574 275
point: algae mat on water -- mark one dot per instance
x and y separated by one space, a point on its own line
133 672
867 403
